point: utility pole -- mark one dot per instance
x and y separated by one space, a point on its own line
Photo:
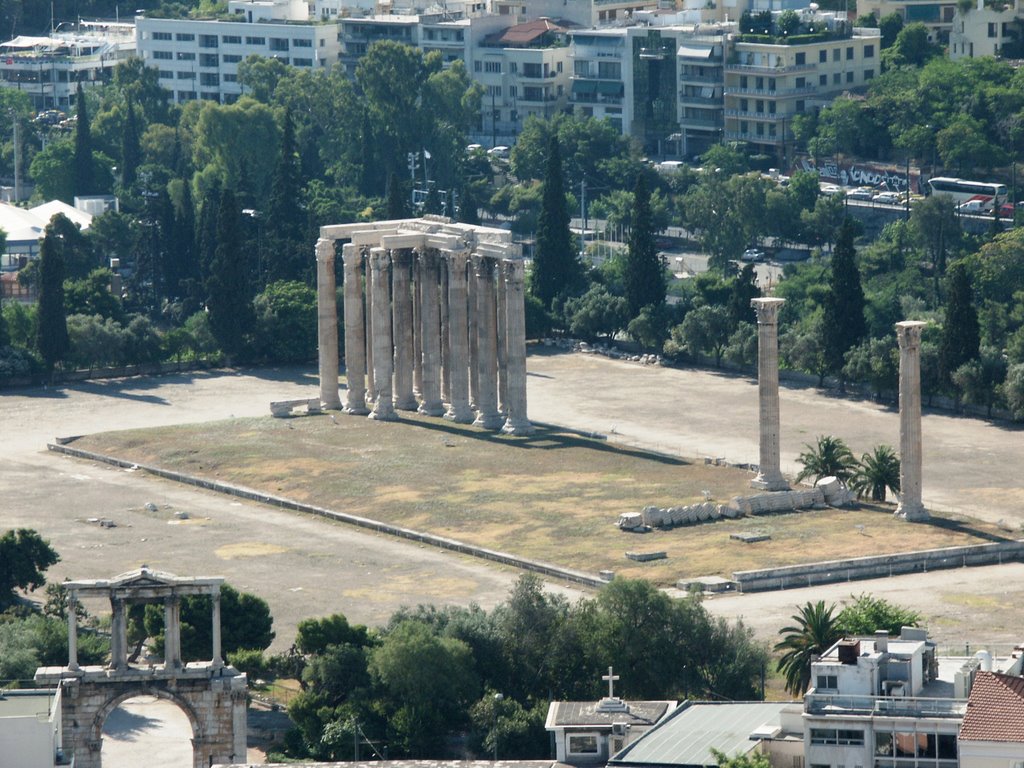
412 177
583 211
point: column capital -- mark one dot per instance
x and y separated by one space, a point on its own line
325 250
908 333
378 259
514 271
351 256
767 309
401 257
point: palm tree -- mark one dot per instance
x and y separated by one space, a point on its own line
829 457
875 472
814 632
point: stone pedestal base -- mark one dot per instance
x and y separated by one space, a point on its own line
490 420
911 512
517 427
355 410
769 483
406 403
383 411
435 408
460 415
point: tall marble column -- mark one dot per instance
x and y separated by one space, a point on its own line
217 661
371 387
401 327
172 630
516 422
457 370
487 415
430 332
769 476
355 331
472 321
417 325
908 334
380 310
72 632
327 323
118 635
446 362
501 333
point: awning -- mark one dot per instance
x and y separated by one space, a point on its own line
583 87
694 52
610 89
707 93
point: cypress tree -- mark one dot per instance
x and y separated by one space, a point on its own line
229 303
843 325
468 213
285 217
52 330
556 269
394 199
84 172
131 150
961 332
644 275
206 237
183 238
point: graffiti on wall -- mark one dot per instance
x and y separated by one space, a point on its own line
854 174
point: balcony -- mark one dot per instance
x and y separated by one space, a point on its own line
807 89
752 138
537 76
773 116
707 101
757 69
699 122
822 704
688 78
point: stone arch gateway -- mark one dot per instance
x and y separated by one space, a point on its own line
211 694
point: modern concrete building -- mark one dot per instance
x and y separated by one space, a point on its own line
50 68
30 728
986 31
198 59
992 734
936 15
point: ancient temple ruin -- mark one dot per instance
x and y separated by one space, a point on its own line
434 321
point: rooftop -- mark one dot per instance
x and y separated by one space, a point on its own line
995 710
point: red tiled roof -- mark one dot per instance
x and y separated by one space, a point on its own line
522 34
995 709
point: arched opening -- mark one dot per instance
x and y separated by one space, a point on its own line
147 730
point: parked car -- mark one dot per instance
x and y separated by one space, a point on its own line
500 151
861 193
887 198
753 254
975 206
830 189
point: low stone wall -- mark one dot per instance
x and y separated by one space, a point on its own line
880 566
545 569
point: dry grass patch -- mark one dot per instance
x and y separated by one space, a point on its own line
554 496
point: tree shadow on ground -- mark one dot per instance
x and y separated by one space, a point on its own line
128 726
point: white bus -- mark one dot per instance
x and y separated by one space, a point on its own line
988 193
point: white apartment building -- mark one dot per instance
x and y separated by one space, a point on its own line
984 31
50 68
198 59
936 15
30 728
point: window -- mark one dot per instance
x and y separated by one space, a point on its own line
186 56
161 35
186 75
609 70
231 40
166 74
211 97
184 37
558 67
208 60
493 67
302 62
835 54
164 55
869 74
837 78
255 41
230 78
513 91
184 95
581 68
869 51
232 58
302 43
801 59
279 44
991 29
583 745
840 736
822 56
801 82
209 78
822 79
849 77
799 106
849 53
208 41
494 90
477 66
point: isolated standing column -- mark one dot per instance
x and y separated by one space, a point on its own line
769 476
355 331
327 323
908 334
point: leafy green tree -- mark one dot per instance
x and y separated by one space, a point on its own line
875 472
747 760
742 346
259 76
843 323
50 169
645 273
890 25
650 328
803 348
596 314
705 330
911 47
24 557
556 268
315 635
961 333
52 331
229 303
84 172
1013 391
935 223
244 618
873 361
286 221
813 632
980 380
828 457
744 290
286 322
395 205
91 295
868 614
131 148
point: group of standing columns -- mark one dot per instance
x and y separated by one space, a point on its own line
769 476
438 330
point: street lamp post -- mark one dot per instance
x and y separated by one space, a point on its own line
498 698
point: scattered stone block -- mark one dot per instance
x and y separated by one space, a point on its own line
644 557
712 584
750 537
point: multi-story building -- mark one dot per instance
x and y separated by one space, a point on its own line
50 68
198 59
768 83
525 71
986 31
936 15
585 13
